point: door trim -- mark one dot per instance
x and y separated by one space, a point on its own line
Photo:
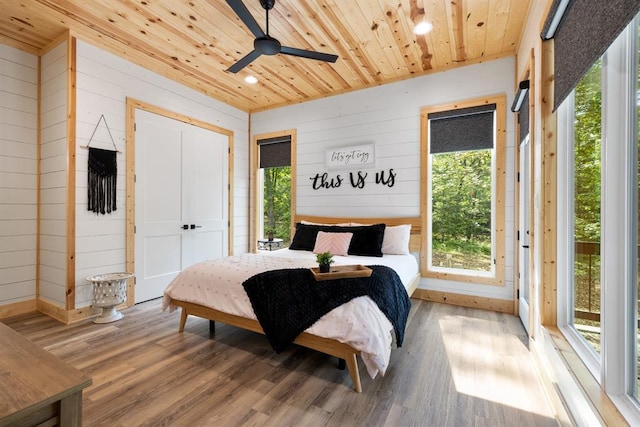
534 297
132 105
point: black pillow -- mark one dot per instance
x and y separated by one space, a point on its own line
366 240
305 237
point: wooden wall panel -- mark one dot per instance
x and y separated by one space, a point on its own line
18 184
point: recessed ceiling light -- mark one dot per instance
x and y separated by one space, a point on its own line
423 27
251 80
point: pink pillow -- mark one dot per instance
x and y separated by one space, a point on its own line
336 243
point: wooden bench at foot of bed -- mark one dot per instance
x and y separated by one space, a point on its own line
323 345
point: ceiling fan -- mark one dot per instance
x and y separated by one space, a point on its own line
264 44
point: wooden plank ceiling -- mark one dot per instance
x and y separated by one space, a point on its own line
195 41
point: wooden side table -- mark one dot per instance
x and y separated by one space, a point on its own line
269 245
37 387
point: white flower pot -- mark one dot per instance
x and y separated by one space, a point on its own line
109 290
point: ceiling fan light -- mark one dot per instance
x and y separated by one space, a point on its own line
267 45
422 28
251 80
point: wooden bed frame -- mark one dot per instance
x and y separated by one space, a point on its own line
324 345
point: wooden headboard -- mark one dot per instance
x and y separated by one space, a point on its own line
415 222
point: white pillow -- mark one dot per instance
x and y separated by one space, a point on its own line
396 240
336 243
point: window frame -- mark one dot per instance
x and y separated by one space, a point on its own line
497 277
257 177
615 367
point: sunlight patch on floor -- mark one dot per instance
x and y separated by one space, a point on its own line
487 368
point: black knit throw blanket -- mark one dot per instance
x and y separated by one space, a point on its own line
288 301
101 184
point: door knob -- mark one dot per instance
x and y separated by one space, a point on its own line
195 226
184 227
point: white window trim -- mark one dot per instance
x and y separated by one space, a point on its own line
617 174
565 238
260 231
461 271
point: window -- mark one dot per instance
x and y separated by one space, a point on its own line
587 143
275 180
599 219
463 168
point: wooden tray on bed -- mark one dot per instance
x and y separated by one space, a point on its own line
341 272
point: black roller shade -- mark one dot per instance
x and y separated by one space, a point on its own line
518 101
585 31
275 152
523 118
556 12
464 129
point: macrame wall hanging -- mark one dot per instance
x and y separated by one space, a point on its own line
103 171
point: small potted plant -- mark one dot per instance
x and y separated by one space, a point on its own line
270 234
324 259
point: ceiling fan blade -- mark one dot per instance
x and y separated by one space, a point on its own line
245 16
312 54
248 59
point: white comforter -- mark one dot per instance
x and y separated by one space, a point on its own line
217 284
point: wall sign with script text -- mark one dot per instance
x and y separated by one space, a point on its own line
356 157
356 179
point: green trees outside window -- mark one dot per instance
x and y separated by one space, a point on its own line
277 202
586 205
461 210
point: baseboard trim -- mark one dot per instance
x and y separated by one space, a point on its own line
52 310
17 308
492 304
64 316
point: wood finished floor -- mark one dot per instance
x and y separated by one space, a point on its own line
458 367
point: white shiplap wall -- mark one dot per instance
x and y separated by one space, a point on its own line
389 117
53 175
104 81
18 174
